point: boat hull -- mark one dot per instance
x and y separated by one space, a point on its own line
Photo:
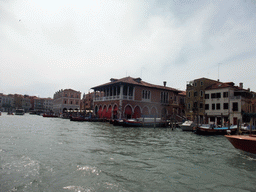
243 142
45 115
186 128
130 123
215 131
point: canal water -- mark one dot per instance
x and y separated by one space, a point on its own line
53 154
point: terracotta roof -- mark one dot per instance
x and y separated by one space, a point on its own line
134 81
220 85
183 93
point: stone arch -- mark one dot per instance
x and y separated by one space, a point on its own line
100 112
128 111
96 108
104 112
145 111
153 112
109 112
137 112
164 113
115 111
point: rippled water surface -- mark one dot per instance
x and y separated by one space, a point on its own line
52 154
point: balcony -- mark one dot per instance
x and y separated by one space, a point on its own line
115 97
236 97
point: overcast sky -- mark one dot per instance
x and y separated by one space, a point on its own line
50 45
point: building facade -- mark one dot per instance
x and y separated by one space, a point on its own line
195 102
6 102
133 98
225 103
67 99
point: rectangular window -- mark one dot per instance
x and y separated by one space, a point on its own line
218 95
235 106
213 106
164 97
218 106
212 119
225 94
188 105
225 106
188 94
195 83
195 104
201 93
206 96
213 95
195 94
206 106
201 83
201 105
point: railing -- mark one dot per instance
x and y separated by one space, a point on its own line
115 97
235 97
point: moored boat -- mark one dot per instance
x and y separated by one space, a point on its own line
118 122
210 129
145 122
79 119
19 112
10 113
187 126
49 115
243 142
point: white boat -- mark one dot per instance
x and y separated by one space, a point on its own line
19 112
187 126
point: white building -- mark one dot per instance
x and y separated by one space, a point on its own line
225 102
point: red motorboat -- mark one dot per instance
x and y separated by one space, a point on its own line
244 142
49 115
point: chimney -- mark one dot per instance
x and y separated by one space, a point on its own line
165 83
241 85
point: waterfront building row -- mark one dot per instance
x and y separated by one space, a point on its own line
215 102
11 102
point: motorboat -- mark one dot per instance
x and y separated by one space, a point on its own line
187 126
49 115
243 142
145 122
211 129
19 112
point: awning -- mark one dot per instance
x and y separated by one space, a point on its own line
109 112
104 112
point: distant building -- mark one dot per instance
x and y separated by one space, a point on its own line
26 103
195 102
87 100
6 102
226 102
67 99
133 98
48 104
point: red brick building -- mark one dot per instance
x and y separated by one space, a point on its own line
133 98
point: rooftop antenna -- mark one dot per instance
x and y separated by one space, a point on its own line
219 71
